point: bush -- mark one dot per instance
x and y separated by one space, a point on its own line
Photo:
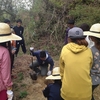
86 14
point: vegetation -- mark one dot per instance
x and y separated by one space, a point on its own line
23 94
46 19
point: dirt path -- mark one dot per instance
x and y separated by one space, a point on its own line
26 89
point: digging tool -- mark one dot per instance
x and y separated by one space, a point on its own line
33 75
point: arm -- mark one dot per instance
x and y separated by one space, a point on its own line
35 53
13 46
14 30
51 62
22 30
46 91
66 36
6 70
61 64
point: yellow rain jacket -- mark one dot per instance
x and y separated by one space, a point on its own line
75 64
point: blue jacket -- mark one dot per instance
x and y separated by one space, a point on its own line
19 31
52 92
49 60
66 37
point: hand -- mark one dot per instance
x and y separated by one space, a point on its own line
31 48
13 51
49 73
10 94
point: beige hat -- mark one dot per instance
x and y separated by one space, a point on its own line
6 35
55 74
94 31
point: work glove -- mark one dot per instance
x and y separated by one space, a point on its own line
31 50
49 73
10 94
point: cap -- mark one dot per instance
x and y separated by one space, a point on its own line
75 33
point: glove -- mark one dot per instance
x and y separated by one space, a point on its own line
49 73
31 48
10 94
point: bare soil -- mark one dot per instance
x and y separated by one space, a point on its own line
24 87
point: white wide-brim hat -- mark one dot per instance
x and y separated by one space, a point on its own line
6 35
94 31
55 74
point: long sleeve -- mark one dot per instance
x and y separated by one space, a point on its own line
61 64
46 92
51 62
6 70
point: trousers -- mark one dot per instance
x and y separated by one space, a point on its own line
43 69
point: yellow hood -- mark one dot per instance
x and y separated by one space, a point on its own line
75 48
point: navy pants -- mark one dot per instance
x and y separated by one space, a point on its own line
22 44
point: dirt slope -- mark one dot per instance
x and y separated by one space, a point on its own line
26 89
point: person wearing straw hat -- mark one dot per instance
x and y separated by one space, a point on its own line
52 91
13 44
75 64
5 63
94 38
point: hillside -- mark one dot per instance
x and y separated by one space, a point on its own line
26 89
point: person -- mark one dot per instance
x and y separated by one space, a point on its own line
13 44
85 27
5 63
52 90
70 25
94 37
19 30
75 63
42 62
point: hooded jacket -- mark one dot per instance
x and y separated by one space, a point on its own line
75 64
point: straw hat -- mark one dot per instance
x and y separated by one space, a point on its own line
5 33
94 31
55 74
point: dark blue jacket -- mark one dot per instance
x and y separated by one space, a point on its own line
66 37
49 60
52 92
19 31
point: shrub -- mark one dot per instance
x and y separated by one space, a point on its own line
86 14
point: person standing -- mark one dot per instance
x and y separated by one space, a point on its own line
13 44
19 30
5 60
70 24
75 64
94 38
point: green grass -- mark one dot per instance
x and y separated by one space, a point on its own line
23 94
20 76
